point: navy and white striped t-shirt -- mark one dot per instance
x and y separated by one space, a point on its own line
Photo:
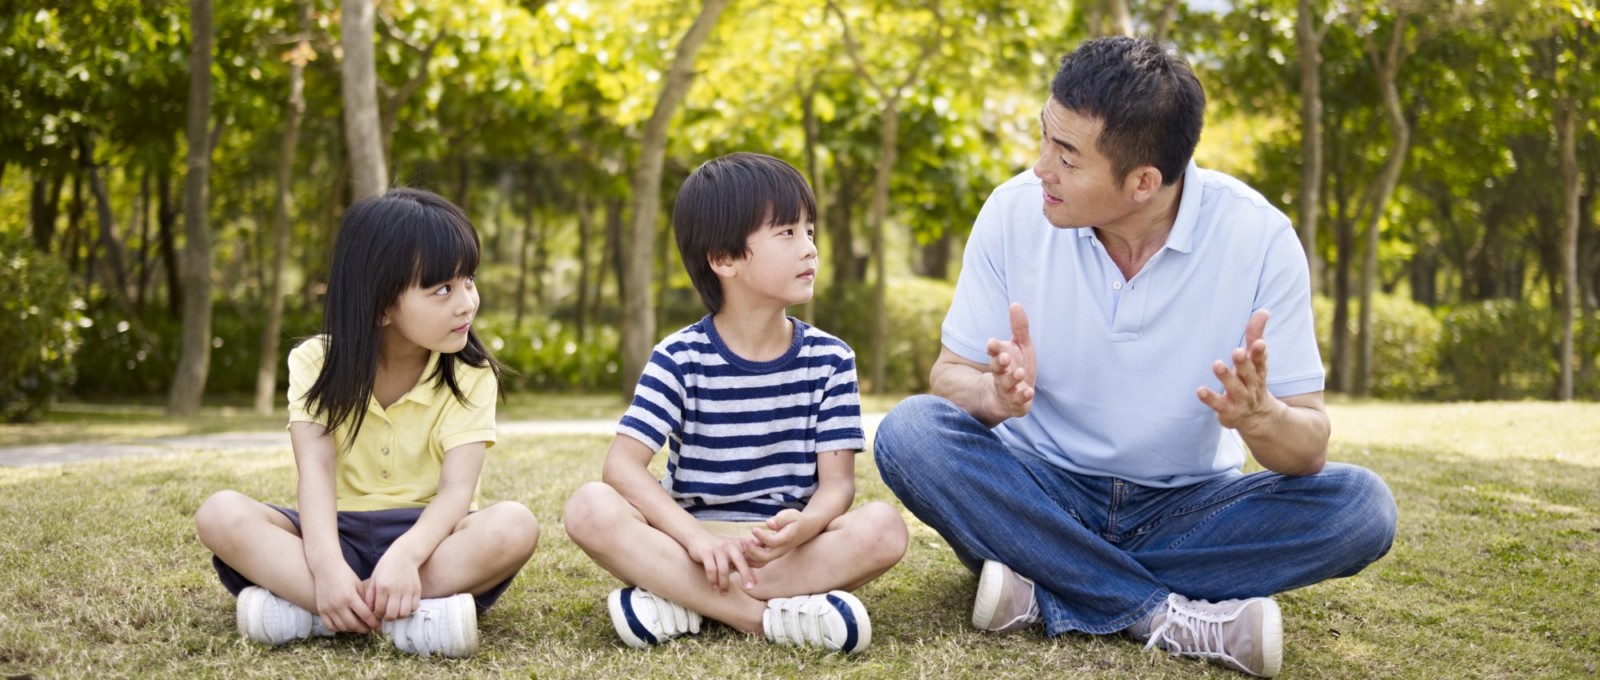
745 435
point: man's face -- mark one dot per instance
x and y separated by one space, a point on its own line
1079 190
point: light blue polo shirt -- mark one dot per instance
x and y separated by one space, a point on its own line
1119 359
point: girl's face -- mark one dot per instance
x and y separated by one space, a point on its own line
436 318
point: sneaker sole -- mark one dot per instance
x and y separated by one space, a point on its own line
1271 639
991 587
623 619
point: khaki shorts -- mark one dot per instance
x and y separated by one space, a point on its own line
731 529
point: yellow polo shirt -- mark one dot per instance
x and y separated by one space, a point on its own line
397 456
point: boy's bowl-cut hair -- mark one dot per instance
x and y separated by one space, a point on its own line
727 199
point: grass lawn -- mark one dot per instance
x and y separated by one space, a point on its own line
1494 573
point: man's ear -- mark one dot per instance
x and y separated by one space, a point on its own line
1143 183
722 265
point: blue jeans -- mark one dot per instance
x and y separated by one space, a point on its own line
1103 553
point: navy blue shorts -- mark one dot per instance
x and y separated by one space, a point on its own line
363 537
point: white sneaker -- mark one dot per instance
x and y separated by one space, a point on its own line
447 626
1005 600
1245 635
835 620
271 620
643 618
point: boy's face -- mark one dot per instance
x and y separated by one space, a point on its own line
781 267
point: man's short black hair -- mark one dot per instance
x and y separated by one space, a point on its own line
1149 99
726 200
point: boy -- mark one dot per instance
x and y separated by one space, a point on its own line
750 525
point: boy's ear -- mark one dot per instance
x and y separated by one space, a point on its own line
722 265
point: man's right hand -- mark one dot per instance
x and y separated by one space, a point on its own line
341 602
1013 368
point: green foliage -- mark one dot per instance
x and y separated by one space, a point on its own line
41 319
547 355
115 362
1499 349
1404 351
916 307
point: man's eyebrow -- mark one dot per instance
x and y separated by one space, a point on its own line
1057 140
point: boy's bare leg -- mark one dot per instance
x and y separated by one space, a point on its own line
857 547
258 542
607 527
486 547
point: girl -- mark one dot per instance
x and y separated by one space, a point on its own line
390 412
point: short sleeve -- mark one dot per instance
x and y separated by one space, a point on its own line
1285 291
472 421
657 409
839 416
305 364
979 310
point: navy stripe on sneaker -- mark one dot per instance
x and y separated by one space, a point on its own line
634 624
850 636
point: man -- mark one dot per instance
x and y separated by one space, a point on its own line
1082 467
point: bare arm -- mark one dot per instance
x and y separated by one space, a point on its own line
999 391
790 529
1289 435
339 596
396 584
627 470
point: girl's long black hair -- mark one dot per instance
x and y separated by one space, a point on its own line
386 245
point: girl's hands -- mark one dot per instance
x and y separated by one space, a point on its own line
340 602
395 589
722 557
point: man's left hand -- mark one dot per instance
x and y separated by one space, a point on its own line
1245 398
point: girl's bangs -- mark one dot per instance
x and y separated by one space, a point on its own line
444 252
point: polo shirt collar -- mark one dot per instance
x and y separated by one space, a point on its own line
423 392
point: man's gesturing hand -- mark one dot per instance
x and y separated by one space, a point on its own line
1014 368
1245 397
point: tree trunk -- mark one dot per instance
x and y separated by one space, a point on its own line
74 240
612 257
638 318
1566 136
166 223
880 253
842 259
189 381
1342 378
115 257
45 207
529 187
1399 145
283 205
143 213
585 228
359 86
808 115
1309 43
1121 18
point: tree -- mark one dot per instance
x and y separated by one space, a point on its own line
363 132
283 205
638 317
188 384
889 93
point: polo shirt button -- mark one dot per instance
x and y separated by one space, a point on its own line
385 474
385 450
1116 285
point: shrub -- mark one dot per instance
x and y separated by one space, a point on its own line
116 362
916 307
1499 349
1404 349
545 354
41 320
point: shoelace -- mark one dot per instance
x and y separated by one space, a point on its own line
801 619
1204 633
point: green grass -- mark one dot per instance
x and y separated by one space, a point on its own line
1493 574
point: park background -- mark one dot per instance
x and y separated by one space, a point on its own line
172 175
